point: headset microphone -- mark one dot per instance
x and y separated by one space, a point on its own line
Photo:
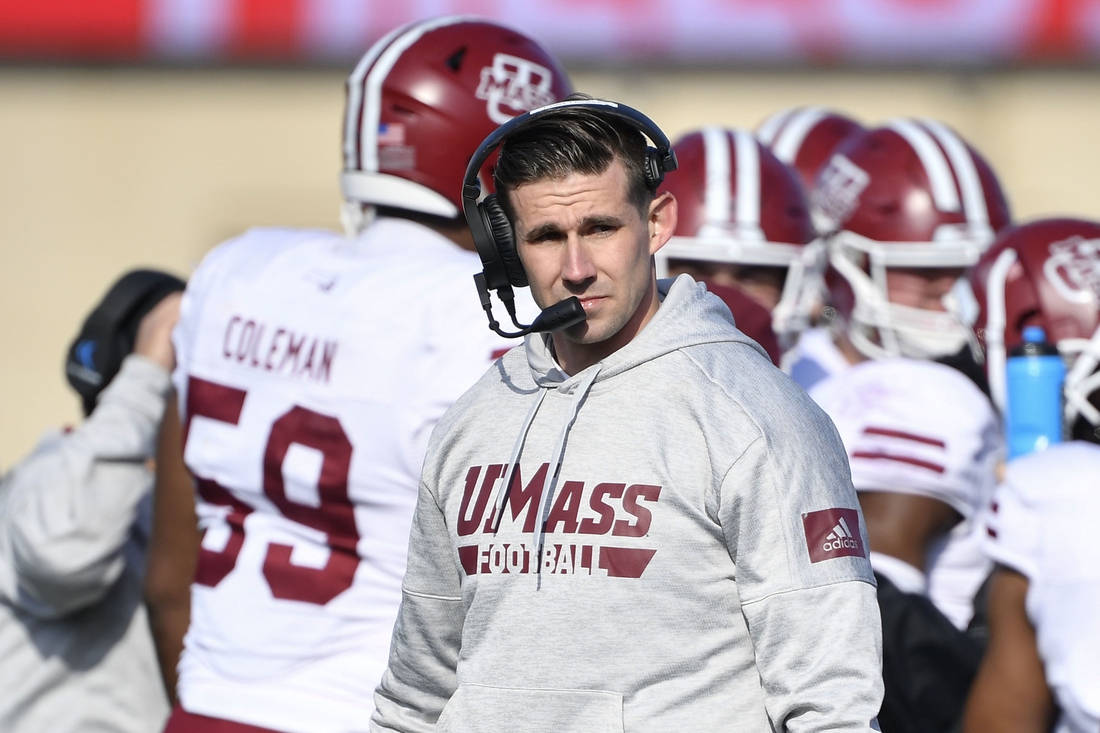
492 231
557 317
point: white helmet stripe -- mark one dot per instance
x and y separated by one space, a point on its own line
769 128
748 185
376 77
995 324
716 199
944 193
973 197
789 142
355 97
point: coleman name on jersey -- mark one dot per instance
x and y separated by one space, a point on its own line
278 349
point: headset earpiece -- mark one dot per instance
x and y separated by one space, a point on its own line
504 239
654 170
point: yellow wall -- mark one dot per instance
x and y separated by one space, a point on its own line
103 170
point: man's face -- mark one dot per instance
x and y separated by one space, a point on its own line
921 287
582 236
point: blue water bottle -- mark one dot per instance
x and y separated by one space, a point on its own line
1035 375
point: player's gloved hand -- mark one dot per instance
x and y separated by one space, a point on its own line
154 335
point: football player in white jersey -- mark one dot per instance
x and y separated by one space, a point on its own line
910 206
744 223
1042 670
311 370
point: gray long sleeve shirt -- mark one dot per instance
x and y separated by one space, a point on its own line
680 548
75 645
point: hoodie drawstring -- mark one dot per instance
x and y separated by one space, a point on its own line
502 492
550 482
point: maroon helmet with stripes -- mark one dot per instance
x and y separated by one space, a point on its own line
909 194
422 99
805 137
739 205
1045 273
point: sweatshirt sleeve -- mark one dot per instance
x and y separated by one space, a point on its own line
424 651
70 506
795 532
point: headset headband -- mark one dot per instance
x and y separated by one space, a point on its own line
492 232
471 186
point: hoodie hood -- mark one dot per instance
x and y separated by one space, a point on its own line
688 316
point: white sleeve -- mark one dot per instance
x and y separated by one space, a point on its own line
69 507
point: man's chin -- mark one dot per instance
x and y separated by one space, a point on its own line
587 332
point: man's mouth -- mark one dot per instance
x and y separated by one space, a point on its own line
590 302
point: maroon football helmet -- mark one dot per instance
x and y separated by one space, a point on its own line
910 194
1046 273
423 98
738 204
805 137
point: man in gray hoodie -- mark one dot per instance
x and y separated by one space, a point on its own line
636 523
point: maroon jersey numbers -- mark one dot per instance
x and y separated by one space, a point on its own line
334 516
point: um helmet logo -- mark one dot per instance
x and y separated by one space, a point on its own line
1073 269
513 85
837 192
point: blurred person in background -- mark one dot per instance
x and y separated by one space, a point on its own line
905 209
744 224
74 521
911 205
312 368
804 138
1042 669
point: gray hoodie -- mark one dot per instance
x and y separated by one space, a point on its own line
701 564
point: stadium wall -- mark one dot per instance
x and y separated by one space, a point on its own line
105 169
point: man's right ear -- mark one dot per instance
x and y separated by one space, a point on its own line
663 216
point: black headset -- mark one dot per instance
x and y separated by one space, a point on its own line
109 331
493 234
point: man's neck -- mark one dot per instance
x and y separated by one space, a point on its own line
455 230
459 235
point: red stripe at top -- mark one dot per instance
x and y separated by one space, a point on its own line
267 28
108 29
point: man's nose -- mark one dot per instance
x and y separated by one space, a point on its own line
578 266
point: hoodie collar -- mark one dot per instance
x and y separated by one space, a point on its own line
688 315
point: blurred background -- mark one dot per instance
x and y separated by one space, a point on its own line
144 132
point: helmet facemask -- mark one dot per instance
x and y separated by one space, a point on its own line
879 328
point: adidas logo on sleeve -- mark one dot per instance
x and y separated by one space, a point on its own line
833 533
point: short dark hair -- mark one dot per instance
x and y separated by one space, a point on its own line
572 140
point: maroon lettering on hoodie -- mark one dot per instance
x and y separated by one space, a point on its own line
585 508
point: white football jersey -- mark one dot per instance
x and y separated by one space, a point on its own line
1043 525
311 370
917 427
814 358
